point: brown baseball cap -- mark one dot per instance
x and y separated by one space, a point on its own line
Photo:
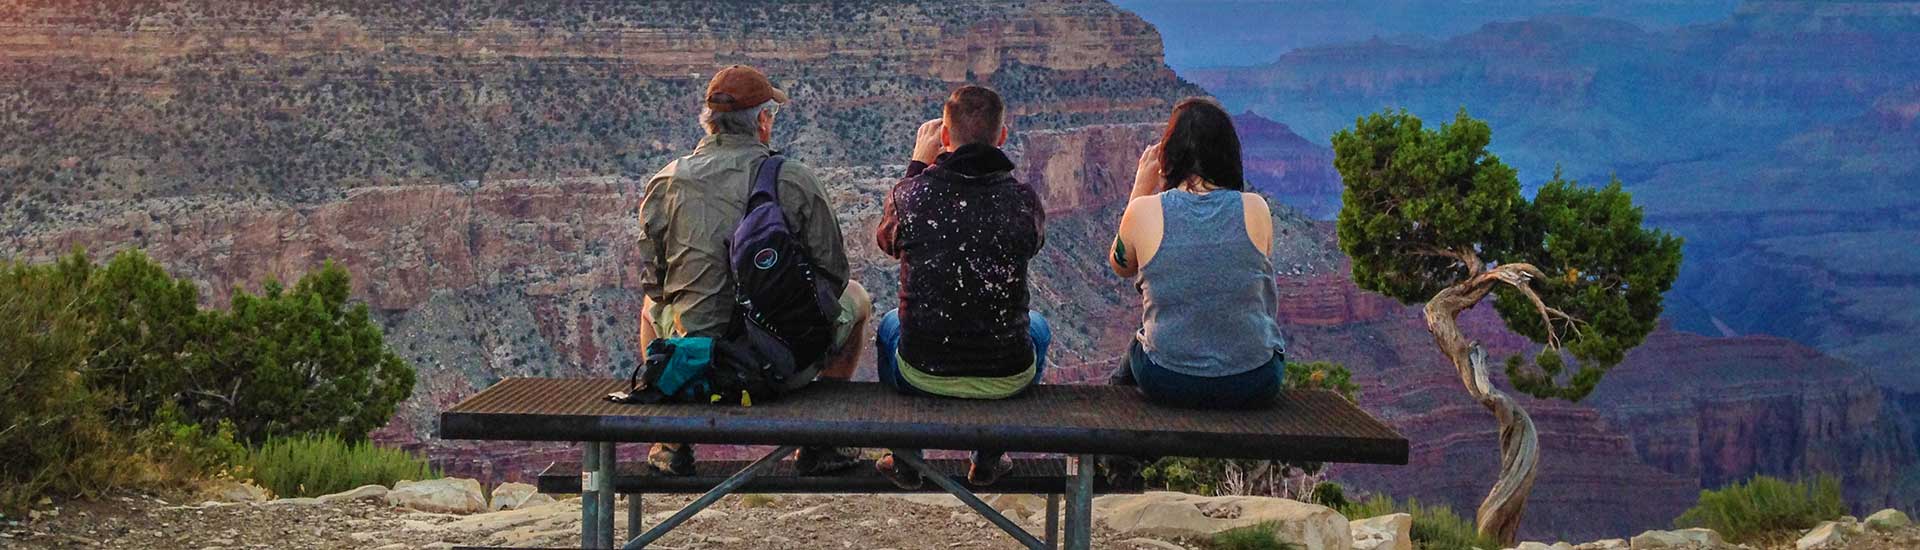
741 87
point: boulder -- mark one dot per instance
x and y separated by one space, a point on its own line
357 493
1388 532
1888 520
1543 546
1828 534
446 495
228 490
1607 544
1683 539
514 496
1167 514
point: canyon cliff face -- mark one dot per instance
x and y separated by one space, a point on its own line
476 169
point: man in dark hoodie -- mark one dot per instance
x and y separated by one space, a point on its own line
963 229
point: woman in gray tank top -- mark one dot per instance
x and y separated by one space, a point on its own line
1196 246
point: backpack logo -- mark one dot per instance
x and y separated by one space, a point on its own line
765 259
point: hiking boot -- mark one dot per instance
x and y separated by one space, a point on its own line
902 475
987 467
819 461
674 459
1123 473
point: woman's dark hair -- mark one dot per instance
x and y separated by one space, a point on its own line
1200 141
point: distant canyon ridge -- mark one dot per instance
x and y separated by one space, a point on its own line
476 167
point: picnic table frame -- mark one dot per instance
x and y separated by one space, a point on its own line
1079 421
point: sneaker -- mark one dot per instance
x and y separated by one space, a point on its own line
674 459
902 475
987 467
819 461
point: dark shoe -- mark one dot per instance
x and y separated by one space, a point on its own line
987 467
1123 473
674 459
902 475
819 461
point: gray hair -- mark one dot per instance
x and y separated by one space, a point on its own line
742 122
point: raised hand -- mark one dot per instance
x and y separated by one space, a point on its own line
1148 176
926 142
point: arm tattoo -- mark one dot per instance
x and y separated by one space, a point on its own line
1120 253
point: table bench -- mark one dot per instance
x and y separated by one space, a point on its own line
1078 421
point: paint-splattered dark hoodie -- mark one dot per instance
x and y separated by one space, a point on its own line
963 230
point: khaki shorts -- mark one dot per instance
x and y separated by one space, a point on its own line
664 314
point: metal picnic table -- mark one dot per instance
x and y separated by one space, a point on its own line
1076 420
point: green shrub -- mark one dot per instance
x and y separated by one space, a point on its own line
315 465
1296 480
181 450
284 362
1434 527
1764 507
53 437
1252 537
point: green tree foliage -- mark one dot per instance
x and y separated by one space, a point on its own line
148 328
1423 210
1765 508
299 361
53 435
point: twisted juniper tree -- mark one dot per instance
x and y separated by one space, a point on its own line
1432 216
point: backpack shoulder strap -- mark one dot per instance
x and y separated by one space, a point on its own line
766 181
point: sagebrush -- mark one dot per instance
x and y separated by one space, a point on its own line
1764 506
314 465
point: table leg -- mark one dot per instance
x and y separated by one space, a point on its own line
1053 521
634 521
605 479
1080 506
589 497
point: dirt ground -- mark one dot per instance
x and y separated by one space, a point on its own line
776 523
788 522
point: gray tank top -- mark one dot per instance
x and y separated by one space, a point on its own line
1209 293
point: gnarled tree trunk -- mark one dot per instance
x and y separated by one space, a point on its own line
1499 515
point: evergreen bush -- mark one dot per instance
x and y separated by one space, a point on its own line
53 435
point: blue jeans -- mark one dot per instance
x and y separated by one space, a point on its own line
886 342
1248 390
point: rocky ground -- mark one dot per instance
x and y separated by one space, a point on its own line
781 522
371 518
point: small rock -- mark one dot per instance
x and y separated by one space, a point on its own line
1530 545
357 493
1161 514
514 496
237 491
707 514
296 501
1143 542
1888 520
801 513
1828 534
1683 538
1388 532
445 495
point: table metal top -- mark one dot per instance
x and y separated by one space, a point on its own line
1303 425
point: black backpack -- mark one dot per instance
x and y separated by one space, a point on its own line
779 301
